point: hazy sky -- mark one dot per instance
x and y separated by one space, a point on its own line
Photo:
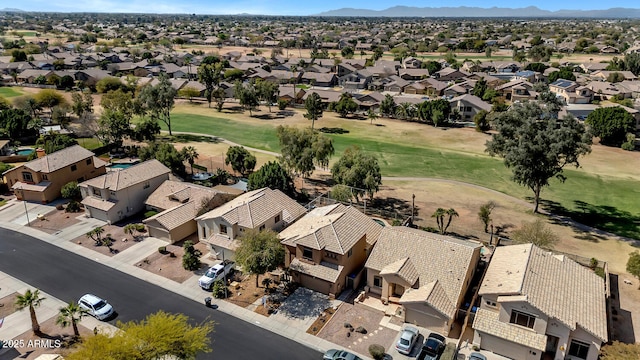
278 7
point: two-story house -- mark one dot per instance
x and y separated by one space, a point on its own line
327 248
121 193
258 210
571 92
178 203
427 274
41 180
538 305
468 105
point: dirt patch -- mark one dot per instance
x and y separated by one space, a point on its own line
170 266
56 221
321 321
52 341
8 305
121 241
335 331
246 292
262 311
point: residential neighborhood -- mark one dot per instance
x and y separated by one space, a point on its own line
360 187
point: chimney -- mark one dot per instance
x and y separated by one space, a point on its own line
40 152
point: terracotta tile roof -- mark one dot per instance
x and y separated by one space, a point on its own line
558 286
335 228
433 295
41 186
325 271
173 193
253 208
97 203
122 179
223 241
59 159
175 216
402 268
487 321
435 257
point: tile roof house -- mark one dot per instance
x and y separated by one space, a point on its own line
572 92
468 105
121 193
42 179
257 209
178 203
427 273
326 249
537 304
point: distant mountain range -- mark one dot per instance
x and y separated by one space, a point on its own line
476 12
10 10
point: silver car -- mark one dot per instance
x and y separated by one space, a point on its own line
95 306
407 339
477 356
335 354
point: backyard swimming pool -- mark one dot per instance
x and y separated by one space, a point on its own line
25 152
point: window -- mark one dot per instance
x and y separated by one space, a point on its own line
490 303
96 191
74 168
89 161
307 253
146 185
26 176
330 255
223 229
277 219
377 281
522 319
578 349
262 227
45 177
350 252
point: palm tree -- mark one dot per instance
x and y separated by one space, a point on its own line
451 212
439 215
30 300
372 115
294 68
129 229
190 154
71 315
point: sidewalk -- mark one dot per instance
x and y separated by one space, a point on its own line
295 330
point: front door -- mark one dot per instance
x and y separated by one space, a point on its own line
551 348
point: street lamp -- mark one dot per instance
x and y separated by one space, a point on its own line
26 212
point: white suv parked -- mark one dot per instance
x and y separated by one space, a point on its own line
95 306
216 272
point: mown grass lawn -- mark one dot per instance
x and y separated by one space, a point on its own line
9 92
608 203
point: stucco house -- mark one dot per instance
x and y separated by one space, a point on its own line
571 92
121 193
41 180
468 105
327 248
535 304
427 274
258 209
178 203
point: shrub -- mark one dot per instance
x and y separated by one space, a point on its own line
219 289
376 351
149 213
282 104
449 352
191 257
70 190
140 227
347 325
593 263
396 222
73 206
162 250
361 330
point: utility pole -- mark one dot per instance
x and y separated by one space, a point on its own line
413 206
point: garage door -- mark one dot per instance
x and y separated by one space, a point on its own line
159 233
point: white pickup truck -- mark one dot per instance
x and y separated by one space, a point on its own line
216 272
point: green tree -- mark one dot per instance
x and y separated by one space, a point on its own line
432 66
113 126
70 190
247 96
166 153
633 265
359 170
302 149
71 314
18 55
630 144
190 154
314 107
240 159
540 53
49 98
191 256
611 125
481 121
219 96
372 115
273 176
615 77
345 105
341 193
536 146
620 351
81 103
388 106
347 52
159 336
563 73
259 252
130 229
158 100
484 214
210 75
479 88
536 233
632 63
439 215
109 83
451 213
53 142
14 123
31 300
268 92
146 130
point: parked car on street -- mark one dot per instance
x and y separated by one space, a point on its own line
477 356
95 306
432 348
335 354
407 339
216 272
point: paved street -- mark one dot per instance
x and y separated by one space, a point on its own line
67 275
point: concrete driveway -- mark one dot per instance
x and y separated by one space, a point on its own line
14 211
395 355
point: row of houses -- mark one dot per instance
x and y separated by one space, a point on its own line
533 303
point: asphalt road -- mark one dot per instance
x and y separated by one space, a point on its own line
67 276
